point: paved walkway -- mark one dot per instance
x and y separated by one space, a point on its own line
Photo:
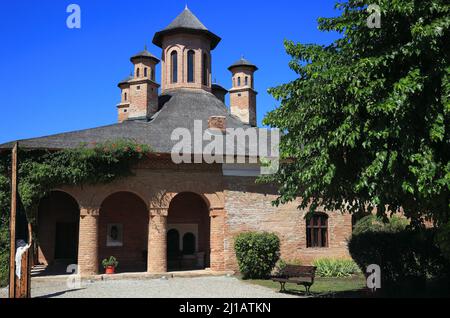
201 287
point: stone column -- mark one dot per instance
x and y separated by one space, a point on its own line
88 242
157 241
217 239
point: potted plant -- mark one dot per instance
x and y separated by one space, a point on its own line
110 265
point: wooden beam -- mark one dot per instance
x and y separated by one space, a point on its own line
12 224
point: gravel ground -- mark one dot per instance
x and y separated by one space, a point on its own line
204 287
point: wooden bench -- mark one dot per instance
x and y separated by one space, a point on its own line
296 274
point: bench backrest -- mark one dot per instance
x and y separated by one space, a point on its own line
299 271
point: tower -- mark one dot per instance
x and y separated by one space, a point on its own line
243 94
186 53
139 91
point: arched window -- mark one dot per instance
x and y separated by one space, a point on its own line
189 244
173 244
239 81
174 71
190 64
152 74
138 71
145 72
205 69
317 230
246 81
125 96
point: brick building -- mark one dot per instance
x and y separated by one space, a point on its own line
171 216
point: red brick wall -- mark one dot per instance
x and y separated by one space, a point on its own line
249 208
130 211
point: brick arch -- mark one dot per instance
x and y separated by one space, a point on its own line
58 228
168 64
128 212
98 200
166 198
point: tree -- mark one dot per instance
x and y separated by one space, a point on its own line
366 123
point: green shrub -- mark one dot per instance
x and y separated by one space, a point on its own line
4 254
327 267
257 254
373 223
403 256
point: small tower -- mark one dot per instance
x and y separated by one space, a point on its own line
243 94
186 53
139 91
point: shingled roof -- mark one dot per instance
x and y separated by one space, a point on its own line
179 109
145 54
243 62
186 22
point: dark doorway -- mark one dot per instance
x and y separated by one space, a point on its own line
66 242
173 249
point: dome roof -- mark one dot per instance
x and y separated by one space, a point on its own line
145 54
186 22
243 62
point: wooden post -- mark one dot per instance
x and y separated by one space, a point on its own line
18 288
12 225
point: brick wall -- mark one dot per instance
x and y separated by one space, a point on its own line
249 208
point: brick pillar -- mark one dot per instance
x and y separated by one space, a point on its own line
217 239
157 241
88 242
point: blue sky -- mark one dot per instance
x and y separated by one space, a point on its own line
55 79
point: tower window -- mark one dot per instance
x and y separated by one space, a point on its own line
246 81
125 96
205 69
317 230
174 62
145 72
138 88
152 71
239 81
234 82
190 62
138 71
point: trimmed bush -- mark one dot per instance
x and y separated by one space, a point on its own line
257 254
404 257
328 267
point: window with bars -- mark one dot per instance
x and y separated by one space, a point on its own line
317 231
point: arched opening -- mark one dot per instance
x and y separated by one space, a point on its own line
189 216
205 69
123 231
58 230
145 72
138 72
190 64
174 66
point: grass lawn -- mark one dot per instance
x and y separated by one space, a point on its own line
341 287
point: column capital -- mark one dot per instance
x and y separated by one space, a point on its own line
159 211
216 212
89 211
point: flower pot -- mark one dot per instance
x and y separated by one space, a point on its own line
110 270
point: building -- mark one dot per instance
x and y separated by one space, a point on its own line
171 216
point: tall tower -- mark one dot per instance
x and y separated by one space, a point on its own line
243 94
186 53
139 91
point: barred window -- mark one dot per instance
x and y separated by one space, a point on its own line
317 231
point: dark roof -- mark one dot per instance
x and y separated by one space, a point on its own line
126 80
219 88
243 62
179 109
144 54
186 22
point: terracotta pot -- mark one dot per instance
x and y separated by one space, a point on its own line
110 270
